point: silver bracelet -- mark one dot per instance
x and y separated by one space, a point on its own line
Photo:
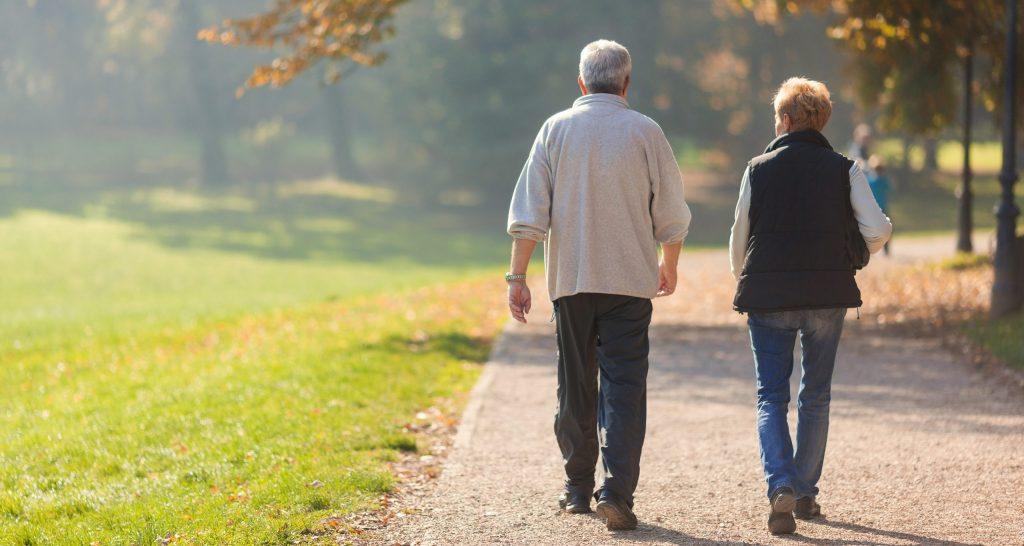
512 277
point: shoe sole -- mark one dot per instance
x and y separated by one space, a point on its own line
614 518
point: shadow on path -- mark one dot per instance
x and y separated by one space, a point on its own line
864 529
908 418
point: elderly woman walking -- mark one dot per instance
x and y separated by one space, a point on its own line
791 252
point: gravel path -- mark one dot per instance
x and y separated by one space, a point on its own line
923 449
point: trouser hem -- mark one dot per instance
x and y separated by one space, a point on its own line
585 489
775 490
627 499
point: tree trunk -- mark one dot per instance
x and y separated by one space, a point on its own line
339 130
965 223
206 115
931 154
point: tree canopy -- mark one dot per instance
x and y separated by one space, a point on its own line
310 31
905 53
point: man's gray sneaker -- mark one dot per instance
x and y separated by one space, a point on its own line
807 508
780 519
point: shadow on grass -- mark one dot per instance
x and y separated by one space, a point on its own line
453 344
304 228
268 222
319 222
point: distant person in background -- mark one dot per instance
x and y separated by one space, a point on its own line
602 189
878 180
790 252
860 148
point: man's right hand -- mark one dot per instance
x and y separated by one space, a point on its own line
519 300
667 274
667 278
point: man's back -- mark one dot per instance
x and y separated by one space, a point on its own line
602 178
602 187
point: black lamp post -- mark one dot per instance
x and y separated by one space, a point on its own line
1005 292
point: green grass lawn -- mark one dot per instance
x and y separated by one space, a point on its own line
918 205
224 368
922 202
1002 337
986 156
927 202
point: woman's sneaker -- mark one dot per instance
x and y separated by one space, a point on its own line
780 520
807 508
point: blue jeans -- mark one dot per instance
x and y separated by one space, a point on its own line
772 336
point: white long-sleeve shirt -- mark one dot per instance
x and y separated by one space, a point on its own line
601 188
875 226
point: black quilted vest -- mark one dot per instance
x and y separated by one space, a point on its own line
797 253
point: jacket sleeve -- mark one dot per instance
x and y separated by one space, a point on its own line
874 226
740 227
669 211
529 215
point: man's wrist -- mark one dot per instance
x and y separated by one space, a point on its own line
515 277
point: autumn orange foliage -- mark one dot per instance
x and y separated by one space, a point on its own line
310 31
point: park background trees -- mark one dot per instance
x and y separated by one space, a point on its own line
465 83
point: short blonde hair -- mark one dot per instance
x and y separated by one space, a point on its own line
806 102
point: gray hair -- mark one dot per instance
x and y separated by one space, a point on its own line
604 67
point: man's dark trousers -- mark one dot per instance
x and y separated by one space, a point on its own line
602 336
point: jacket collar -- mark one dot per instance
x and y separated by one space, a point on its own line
606 98
809 136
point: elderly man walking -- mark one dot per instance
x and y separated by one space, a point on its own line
794 249
602 189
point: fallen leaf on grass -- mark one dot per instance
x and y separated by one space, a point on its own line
168 538
241 495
